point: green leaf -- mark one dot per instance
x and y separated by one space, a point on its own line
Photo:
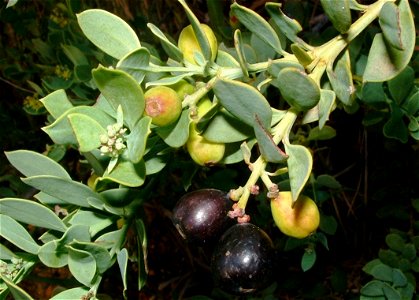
94 220
308 259
61 131
31 163
87 131
328 224
341 79
382 272
239 45
142 252
53 256
390 23
108 32
243 101
135 63
6 253
339 13
373 93
395 126
384 60
374 288
15 233
225 128
399 279
15 290
121 89
267 147
71 294
66 190
170 48
137 139
82 265
391 293
127 173
56 103
395 242
297 88
257 25
300 163
76 56
122 259
29 212
301 54
289 27
317 134
328 181
175 135
99 253
401 85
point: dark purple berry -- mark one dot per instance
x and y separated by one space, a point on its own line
201 216
243 260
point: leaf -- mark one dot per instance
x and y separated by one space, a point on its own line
66 190
15 290
382 272
127 173
135 63
289 27
71 294
401 85
121 89
395 126
297 88
269 150
328 224
108 32
341 79
385 61
82 265
243 101
95 221
87 131
328 181
175 135
61 132
257 25
300 163
122 259
137 139
225 128
29 212
374 288
395 242
15 233
170 48
301 54
99 253
390 23
240 51
317 134
56 103
308 259
31 163
142 252
52 256
339 13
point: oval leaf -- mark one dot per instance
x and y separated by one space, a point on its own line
127 173
29 212
341 79
66 190
137 139
56 103
257 25
243 101
87 131
108 32
135 63
300 163
339 13
308 259
31 163
121 89
15 233
71 294
82 265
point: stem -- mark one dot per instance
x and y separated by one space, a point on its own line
191 100
259 166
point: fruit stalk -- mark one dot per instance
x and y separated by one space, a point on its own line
280 132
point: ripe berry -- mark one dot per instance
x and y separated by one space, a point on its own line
201 216
243 260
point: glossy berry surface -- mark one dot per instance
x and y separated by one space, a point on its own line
201 216
243 260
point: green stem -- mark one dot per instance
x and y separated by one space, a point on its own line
191 100
259 166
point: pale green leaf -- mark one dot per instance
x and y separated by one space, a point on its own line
16 291
29 212
15 233
87 131
82 265
108 32
56 103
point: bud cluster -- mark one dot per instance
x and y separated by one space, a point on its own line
113 143
11 270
